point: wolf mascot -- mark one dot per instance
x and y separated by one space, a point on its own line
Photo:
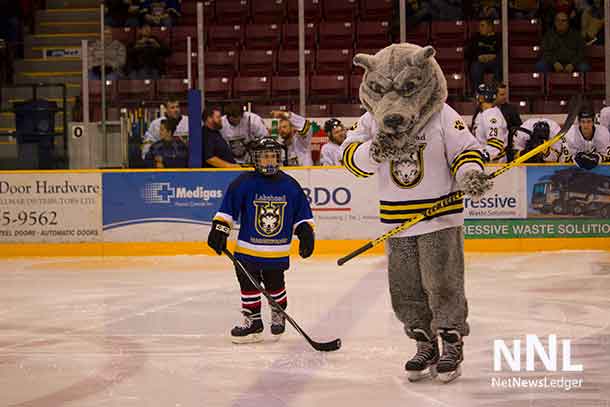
422 152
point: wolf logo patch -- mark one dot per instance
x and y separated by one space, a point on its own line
269 217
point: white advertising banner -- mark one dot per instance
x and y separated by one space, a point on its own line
50 207
506 200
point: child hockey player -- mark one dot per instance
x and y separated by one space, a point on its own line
271 205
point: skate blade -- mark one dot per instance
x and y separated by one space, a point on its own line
450 376
252 338
419 375
275 338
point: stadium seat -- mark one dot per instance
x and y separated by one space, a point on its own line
373 34
464 108
232 11
177 65
320 110
221 63
595 83
336 34
546 106
523 57
598 104
162 34
340 10
524 32
189 12
451 59
136 89
112 113
257 62
559 83
448 33
526 84
263 36
334 61
375 10
218 88
285 87
223 37
290 36
420 34
325 87
523 106
354 85
347 110
95 90
313 10
126 35
268 11
180 35
264 111
288 62
456 84
594 54
247 87
172 89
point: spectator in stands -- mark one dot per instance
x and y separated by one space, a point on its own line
484 53
216 151
169 151
295 132
172 111
592 23
486 10
115 57
160 13
240 129
122 13
563 49
522 9
336 131
146 57
426 10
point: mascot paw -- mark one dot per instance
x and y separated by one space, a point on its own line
475 183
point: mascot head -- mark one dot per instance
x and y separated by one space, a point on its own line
403 87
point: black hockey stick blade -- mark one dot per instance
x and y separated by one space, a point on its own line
319 346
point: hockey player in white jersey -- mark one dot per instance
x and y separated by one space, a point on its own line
241 129
296 134
172 111
588 143
329 153
490 127
422 152
536 131
604 117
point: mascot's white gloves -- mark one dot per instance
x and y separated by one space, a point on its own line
474 182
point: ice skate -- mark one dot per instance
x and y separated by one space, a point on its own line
448 366
250 331
278 324
423 364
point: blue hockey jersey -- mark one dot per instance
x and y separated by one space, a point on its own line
268 209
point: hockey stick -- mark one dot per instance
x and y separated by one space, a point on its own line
319 346
574 107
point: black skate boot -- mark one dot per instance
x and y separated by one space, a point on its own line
278 323
449 367
423 364
250 331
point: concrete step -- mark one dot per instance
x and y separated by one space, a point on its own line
48 65
7 122
67 14
66 27
63 4
10 94
59 40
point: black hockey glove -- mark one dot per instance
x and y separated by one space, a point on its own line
588 161
306 239
217 239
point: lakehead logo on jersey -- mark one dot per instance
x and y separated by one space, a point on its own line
507 358
269 214
166 193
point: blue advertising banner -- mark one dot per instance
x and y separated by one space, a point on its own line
165 206
568 191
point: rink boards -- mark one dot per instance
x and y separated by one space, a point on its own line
140 212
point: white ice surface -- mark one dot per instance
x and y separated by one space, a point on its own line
154 332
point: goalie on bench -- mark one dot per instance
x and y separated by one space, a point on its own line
270 206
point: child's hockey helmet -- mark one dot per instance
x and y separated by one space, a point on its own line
267 156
